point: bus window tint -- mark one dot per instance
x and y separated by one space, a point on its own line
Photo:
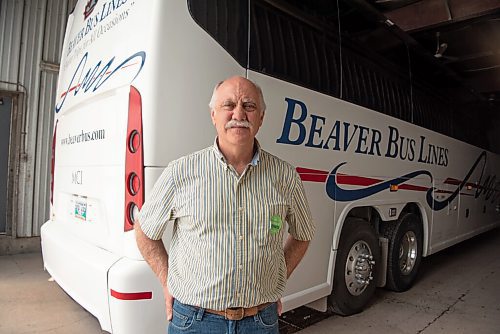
300 42
227 22
348 53
375 65
296 43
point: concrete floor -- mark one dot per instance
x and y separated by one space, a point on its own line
458 291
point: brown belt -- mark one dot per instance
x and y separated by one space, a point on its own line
238 313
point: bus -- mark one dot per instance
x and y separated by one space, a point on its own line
391 173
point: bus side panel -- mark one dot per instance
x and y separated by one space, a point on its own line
320 134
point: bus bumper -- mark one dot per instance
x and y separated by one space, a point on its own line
123 294
79 267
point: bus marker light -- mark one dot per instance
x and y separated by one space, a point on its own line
133 212
134 141
394 187
134 183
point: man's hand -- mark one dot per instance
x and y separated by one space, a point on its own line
169 302
280 307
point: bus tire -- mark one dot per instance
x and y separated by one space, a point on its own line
405 251
355 274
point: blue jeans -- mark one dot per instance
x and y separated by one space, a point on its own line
190 319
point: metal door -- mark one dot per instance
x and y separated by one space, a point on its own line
5 111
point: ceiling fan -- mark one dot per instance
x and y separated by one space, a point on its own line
441 48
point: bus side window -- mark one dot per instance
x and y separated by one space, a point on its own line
357 60
290 45
227 22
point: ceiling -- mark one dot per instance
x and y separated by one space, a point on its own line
462 35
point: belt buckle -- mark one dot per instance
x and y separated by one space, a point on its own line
240 311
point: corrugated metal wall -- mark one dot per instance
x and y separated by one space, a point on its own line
32 33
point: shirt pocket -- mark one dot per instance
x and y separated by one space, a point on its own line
271 224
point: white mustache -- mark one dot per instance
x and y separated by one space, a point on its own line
238 124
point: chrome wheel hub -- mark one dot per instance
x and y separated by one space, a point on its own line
408 250
359 268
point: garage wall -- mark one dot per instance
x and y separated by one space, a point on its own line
30 47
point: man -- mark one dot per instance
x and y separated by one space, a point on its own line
227 267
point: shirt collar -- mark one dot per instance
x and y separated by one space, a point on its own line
255 159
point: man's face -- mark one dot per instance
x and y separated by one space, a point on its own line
237 113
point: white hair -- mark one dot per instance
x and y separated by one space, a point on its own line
211 104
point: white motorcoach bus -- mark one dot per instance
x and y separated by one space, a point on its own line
387 179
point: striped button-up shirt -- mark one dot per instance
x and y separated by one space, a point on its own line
227 245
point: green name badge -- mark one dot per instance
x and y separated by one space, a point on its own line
275 224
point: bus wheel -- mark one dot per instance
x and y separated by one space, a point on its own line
355 267
405 251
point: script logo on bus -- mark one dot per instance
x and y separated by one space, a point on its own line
94 19
91 78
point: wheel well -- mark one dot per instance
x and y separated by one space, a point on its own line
367 213
371 215
413 208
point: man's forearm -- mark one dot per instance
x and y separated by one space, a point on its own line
294 252
154 253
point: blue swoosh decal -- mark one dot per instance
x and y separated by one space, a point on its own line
337 193
343 195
